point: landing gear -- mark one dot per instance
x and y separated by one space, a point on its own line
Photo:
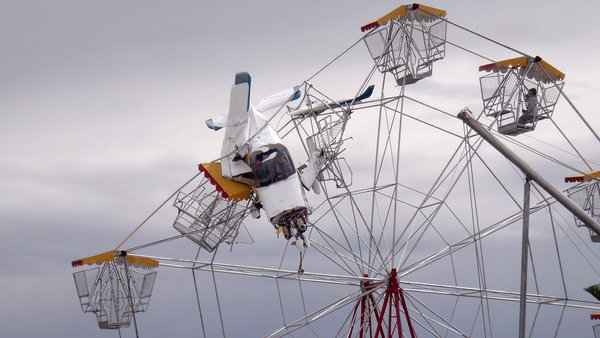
296 230
292 224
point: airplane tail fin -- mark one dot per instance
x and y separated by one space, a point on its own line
216 122
278 99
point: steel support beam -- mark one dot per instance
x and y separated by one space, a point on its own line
524 256
529 172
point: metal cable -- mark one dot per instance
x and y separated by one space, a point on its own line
484 37
156 210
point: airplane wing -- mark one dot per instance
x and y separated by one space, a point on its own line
365 95
236 130
216 123
321 107
278 99
266 103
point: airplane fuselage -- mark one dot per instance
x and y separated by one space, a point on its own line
254 154
275 178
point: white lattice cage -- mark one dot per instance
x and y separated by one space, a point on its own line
506 93
209 219
408 45
328 142
104 291
588 198
596 329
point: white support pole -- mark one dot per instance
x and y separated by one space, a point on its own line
531 173
130 297
524 256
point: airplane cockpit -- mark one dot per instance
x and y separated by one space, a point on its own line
270 164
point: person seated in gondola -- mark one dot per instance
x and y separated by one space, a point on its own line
530 112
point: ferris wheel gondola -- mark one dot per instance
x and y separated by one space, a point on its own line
520 92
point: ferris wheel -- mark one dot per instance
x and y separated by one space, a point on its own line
409 222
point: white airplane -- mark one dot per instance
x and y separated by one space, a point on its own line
252 153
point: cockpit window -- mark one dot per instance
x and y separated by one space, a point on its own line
274 164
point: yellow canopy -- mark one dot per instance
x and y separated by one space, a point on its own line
425 13
132 259
583 177
541 71
229 189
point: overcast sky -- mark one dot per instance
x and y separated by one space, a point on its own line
103 105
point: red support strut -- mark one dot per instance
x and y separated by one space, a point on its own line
390 309
368 308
